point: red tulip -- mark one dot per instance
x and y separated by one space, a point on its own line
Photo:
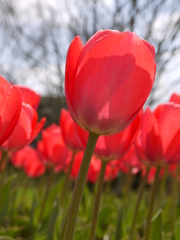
111 171
29 96
108 80
28 159
175 98
93 171
115 146
52 148
131 161
2 164
26 129
138 148
151 174
64 165
10 107
161 134
68 132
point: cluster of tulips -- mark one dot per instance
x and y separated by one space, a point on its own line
105 131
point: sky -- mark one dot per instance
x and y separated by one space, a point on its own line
169 82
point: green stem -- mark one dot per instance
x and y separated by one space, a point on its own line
151 204
140 194
119 230
41 185
162 186
97 202
174 196
127 187
66 181
24 190
62 197
50 180
78 190
3 172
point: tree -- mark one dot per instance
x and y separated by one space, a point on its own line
37 35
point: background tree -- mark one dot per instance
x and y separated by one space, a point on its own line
35 36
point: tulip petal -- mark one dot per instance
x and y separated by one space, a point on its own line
37 129
168 116
71 61
10 102
172 154
151 140
96 37
175 98
150 47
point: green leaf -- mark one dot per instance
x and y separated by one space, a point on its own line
156 228
52 221
5 196
119 228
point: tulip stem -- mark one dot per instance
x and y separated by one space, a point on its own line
151 204
129 178
162 185
48 185
2 161
97 201
140 194
66 180
79 186
174 196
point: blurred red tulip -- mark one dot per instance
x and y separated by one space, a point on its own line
131 161
28 159
139 150
10 108
67 126
2 163
26 129
64 166
115 146
108 80
29 96
175 98
111 171
52 148
151 174
93 171
161 134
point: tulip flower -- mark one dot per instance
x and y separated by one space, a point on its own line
28 159
112 147
52 148
68 132
94 167
111 171
151 175
26 129
2 163
10 107
175 98
131 161
107 81
29 96
161 134
160 143
139 150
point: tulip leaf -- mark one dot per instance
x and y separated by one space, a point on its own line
52 218
156 227
5 196
119 228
